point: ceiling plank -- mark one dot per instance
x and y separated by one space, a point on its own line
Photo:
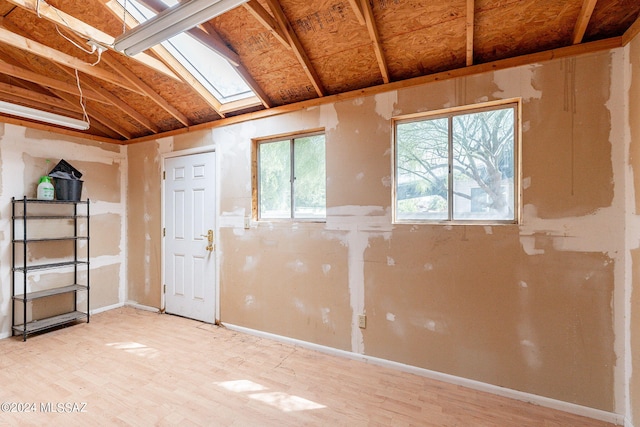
265 18
631 32
357 9
295 44
145 89
583 20
23 74
375 39
471 10
118 11
31 46
86 31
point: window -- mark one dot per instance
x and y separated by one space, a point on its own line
457 166
213 71
292 178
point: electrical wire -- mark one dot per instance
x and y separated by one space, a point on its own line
82 100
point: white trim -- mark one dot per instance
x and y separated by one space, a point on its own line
627 422
142 307
546 402
106 308
5 335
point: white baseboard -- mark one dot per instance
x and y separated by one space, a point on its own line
106 308
142 307
546 402
5 335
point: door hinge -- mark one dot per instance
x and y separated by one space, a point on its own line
164 289
164 232
164 175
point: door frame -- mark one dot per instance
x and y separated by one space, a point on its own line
181 153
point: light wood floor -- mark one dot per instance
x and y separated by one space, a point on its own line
137 368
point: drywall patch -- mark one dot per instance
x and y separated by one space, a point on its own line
522 86
298 266
386 104
325 315
326 268
391 317
329 117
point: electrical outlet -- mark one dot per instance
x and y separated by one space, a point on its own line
362 321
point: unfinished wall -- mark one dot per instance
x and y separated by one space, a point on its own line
23 159
632 234
529 307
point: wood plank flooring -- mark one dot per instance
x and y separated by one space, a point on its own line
136 368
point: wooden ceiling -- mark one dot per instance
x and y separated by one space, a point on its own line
288 51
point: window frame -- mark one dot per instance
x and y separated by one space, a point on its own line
449 114
256 191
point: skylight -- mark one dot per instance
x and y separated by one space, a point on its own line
213 71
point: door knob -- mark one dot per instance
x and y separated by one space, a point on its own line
209 237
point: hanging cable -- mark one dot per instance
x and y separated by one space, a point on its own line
82 100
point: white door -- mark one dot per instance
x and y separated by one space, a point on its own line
189 255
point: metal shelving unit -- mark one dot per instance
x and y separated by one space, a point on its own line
24 267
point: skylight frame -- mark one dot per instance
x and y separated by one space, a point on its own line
241 96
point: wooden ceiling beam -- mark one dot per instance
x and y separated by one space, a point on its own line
583 20
12 39
29 95
471 10
209 37
16 99
117 102
167 58
375 39
631 32
357 10
96 116
23 74
265 18
296 46
86 31
146 90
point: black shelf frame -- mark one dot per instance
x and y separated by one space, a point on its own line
25 328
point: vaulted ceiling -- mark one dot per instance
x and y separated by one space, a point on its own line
288 51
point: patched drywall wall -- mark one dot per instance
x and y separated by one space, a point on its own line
25 155
529 307
633 237
144 224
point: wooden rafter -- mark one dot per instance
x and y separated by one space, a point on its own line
145 89
375 39
97 116
357 10
86 31
16 99
213 41
114 100
117 102
633 31
296 46
26 94
265 18
118 11
12 39
583 20
471 10
23 74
